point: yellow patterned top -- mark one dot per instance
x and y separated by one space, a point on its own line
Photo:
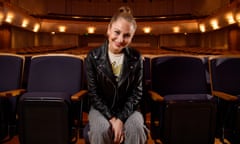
116 62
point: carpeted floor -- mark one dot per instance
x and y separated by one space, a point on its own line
81 141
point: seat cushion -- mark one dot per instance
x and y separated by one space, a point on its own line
238 97
47 95
188 97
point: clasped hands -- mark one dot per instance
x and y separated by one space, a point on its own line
117 128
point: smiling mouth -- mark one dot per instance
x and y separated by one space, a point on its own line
118 44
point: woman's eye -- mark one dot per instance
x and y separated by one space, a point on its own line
127 35
117 32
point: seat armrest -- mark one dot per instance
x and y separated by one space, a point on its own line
79 95
155 96
225 96
12 93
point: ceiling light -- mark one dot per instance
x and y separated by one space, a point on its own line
162 17
25 23
91 30
147 30
36 27
202 27
1 16
176 29
62 28
9 17
237 17
76 17
230 18
214 24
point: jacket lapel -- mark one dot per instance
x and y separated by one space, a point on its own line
104 64
128 66
106 68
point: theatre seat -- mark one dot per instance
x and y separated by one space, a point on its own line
11 69
225 80
50 108
183 110
144 105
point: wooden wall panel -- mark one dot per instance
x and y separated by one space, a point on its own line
234 37
222 39
5 37
108 7
21 38
65 39
33 6
215 39
57 6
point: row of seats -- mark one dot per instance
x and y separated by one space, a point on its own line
185 94
39 49
72 49
202 50
189 96
165 50
48 109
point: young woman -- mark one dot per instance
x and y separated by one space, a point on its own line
114 75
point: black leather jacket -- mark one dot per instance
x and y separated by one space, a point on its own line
109 97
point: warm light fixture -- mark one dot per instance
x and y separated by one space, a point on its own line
25 23
162 17
1 16
53 33
237 17
176 29
214 24
147 30
91 30
230 18
62 28
202 27
36 27
76 17
9 17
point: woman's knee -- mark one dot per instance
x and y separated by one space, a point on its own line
135 124
100 127
135 129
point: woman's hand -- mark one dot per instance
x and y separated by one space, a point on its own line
117 128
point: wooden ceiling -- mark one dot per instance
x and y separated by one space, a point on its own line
77 24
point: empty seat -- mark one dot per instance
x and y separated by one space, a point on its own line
225 80
146 84
10 88
47 109
183 111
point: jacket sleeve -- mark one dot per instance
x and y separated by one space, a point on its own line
95 98
136 93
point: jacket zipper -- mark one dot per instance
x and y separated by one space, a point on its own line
114 86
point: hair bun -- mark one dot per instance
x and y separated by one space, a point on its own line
125 9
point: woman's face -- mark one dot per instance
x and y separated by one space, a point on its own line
120 34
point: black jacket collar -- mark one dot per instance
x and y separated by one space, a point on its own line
103 63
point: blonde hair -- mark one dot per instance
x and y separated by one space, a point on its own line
125 13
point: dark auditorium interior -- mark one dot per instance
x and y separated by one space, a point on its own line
191 54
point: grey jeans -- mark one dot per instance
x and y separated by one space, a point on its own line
100 132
